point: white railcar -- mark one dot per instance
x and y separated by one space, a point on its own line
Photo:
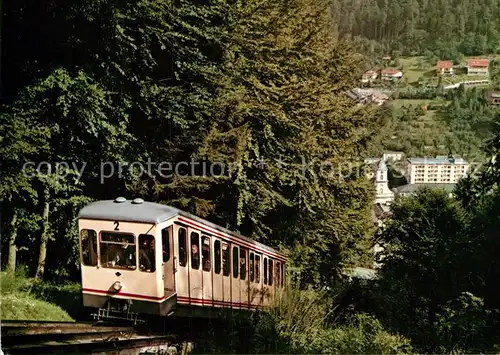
145 258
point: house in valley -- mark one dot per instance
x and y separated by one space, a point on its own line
367 96
445 67
391 74
493 97
369 76
478 67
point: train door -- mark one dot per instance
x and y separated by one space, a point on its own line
265 287
226 274
235 286
218 282
283 275
277 278
255 279
168 260
181 262
270 279
195 273
243 278
206 266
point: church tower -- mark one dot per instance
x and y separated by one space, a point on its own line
383 193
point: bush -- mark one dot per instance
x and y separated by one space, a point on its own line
297 324
463 323
293 322
364 335
67 295
14 282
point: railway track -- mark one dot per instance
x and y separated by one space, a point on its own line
81 338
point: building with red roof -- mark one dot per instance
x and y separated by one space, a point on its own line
391 74
478 66
445 67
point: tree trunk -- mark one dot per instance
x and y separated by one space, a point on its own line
11 263
45 236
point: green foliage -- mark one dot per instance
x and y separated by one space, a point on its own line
471 120
23 306
66 295
15 282
365 335
460 122
279 105
18 303
438 279
296 324
462 322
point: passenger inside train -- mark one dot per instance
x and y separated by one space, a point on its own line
146 253
206 254
195 256
117 251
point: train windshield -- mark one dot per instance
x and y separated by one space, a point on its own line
118 250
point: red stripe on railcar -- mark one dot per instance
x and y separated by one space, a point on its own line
123 294
187 300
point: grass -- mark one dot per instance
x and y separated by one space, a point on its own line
19 302
25 307
66 295
411 68
398 103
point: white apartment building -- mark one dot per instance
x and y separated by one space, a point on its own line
439 170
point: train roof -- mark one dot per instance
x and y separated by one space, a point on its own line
140 211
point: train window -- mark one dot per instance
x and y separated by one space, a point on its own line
165 243
251 267
89 247
195 250
205 253
235 262
118 250
217 258
147 253
278 274
225 259
265 271
270 276
182 235
243 263
257 268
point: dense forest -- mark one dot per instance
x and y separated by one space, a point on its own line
446 28
93 90
253 86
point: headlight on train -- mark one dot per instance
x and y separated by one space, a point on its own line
117 286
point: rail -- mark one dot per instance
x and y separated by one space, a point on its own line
27 337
